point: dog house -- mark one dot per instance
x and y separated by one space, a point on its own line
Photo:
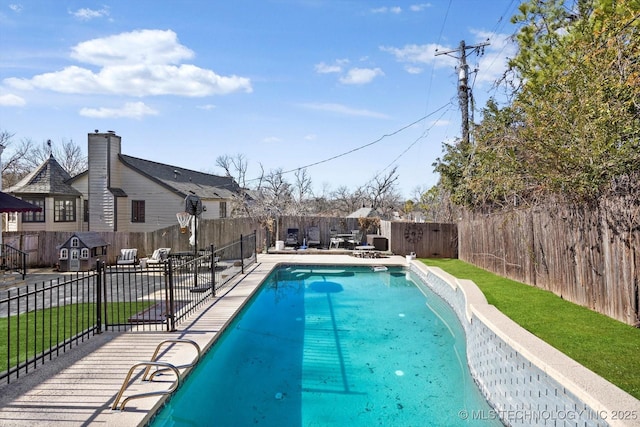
81 251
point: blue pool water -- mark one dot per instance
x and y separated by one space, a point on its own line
334 346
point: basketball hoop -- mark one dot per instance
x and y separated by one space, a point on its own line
183 220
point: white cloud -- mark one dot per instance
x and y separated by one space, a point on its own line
419 7
139 63
132 110
86 14
385 9
323 68
344 110
142 46
413 69
421 54
310 137
336 67
10 100
272 139
17 8
491 64
359 76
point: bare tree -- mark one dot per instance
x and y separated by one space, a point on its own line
383 192
235 167
302 191
20 159
68 154
13 168
278 192
224 161
320 203
71 157
347 201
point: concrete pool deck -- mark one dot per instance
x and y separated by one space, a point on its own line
79 387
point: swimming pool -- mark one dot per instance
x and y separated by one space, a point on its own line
320 346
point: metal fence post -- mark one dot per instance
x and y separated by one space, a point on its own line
255 243
241 255
98 291
24 265
171 313
213 270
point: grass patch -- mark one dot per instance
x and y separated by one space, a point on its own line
37 331
606 346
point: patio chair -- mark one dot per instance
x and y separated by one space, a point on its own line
292 237
313 236
334 240
159 255
127 257
355 239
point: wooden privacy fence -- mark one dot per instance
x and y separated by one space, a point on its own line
426 240
423 239
42 251
587 256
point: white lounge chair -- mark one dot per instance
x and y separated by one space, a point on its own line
159 255
127 257
334 240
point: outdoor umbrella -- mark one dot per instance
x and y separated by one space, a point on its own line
9 203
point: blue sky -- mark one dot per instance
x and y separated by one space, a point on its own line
286 83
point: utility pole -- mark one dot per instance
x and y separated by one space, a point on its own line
463 81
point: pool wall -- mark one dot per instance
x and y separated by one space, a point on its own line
525 380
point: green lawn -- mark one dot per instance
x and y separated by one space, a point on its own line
606 346
46 328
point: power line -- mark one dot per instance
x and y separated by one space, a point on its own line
366 145
424 135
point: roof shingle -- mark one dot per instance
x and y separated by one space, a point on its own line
49 178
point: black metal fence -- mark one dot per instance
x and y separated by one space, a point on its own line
13 259
38 322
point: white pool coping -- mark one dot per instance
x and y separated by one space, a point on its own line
611 404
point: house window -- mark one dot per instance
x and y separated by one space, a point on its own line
85 210
74 254
75 242
64 210
64 253
34 216
223 209
137 211
84 253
